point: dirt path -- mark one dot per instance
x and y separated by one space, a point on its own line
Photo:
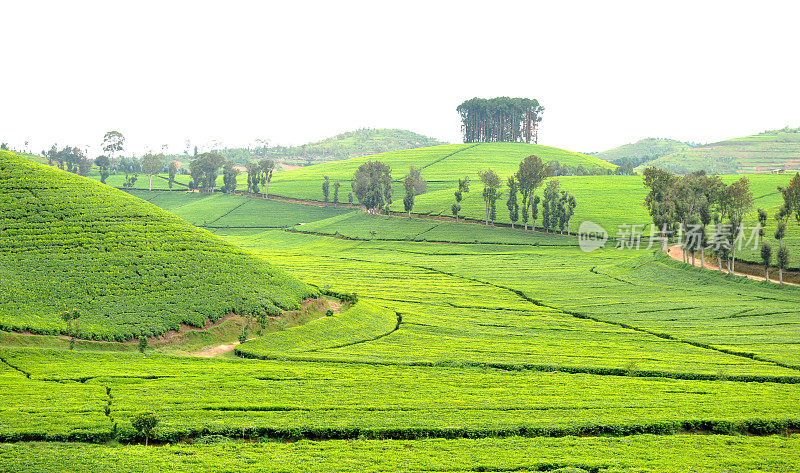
216 350
676 252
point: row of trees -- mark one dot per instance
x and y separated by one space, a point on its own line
372 181
683 207
558 205
500 119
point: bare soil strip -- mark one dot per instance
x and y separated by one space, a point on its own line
676 252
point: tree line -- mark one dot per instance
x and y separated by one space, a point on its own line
498 119
683 207
372 186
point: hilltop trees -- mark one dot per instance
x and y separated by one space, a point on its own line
529 176
463 187
500 119
372 185
152 164
491 184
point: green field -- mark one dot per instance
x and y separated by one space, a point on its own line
470 348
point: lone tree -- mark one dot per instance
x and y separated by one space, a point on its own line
144 423
326 188
511 203
463 187
113 142
104 164
372 185
535 211
491 184
336 186
500 119
152 164
766 258
408 199
229 174
71 317
172 169
420 185
530 175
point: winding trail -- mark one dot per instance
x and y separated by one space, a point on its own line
676 253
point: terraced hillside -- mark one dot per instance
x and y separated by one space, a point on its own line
761 153
130 268
642 151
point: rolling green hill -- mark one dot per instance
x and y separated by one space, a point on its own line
441 166
360 142
764 152
642 151
131 268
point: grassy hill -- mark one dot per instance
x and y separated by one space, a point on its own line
642 151
360 142
441 166
131 268
777 149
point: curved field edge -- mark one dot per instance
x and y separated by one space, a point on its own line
363 322
130 268
710 453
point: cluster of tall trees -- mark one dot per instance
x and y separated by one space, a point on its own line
204 170
260 174
372 185
69 158
683 207
504 119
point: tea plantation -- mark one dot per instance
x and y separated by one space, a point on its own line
131 269
464 347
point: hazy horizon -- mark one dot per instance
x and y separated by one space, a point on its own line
607 74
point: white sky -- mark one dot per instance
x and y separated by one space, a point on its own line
608 73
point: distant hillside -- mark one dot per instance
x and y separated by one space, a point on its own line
765 152
642 151
130 268
351 144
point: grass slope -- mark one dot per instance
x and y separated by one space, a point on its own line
131 268
777 149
